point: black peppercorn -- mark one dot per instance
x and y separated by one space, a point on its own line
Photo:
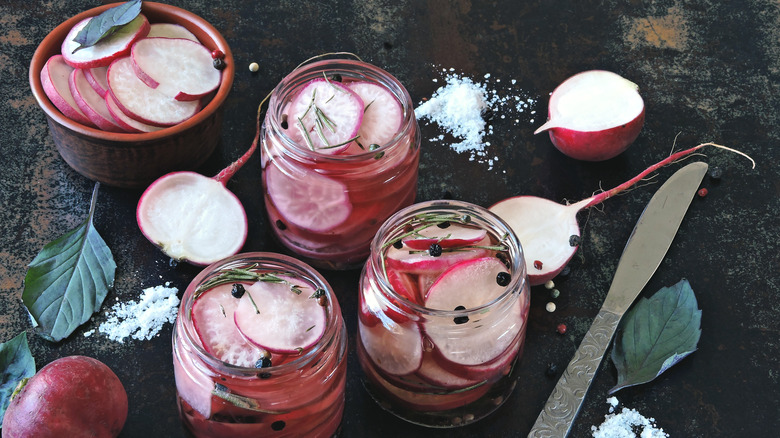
435 250
278 425
280 225
552 370
460 319
574 240
443 224
238 290
503 278
263 362
219 63
398 244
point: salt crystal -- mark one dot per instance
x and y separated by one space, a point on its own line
144 319
623 424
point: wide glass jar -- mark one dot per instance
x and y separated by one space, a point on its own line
259 349
442 313
326 198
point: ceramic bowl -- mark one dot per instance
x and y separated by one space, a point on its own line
135 160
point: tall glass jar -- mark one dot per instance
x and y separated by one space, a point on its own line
229 386
443 307
326 205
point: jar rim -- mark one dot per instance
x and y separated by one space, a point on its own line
334 322
480 216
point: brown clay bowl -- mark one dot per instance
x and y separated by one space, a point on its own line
135 160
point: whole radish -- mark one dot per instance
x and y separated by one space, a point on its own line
71 397
549 232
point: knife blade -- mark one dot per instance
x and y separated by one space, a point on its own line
646 247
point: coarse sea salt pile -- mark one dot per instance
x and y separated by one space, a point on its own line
462 107
143 319
625 423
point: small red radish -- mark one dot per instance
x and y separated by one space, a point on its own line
325 116
307 199
382 116
279 318
468 286
91 103
115 46
194 218
143 103
127 123
548 231
395 348
594 115
98 79
447 236
55 77
176 67
170 30
70 397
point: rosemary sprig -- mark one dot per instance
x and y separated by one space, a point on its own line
240 401
305 133
342 143
246 275
424 220
324 119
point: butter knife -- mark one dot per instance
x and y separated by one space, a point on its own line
644 251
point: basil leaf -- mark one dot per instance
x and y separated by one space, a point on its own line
656 334
107 23
17 363
69 279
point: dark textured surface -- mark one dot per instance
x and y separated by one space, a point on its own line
708 70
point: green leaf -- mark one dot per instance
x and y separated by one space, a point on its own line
107 23
17 363
656 334
69 279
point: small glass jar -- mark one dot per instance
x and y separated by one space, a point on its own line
326 208
433 366
301 395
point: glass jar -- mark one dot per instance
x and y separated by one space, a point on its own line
440 329
300 393
326 207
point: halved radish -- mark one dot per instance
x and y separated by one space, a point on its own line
594 115
468 285
142 103
55 81
170 30
449 236
394 348
213 318
91 103
431 372
382 115
325 116
128 124
115 46
98 79
176 67
274 317
308 199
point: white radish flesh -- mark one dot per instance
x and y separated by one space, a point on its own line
107 50
394 348
55 81
170 30
98 79
274 317
545 228
127 123
382 115
142 103
91 103
421 262
179 68
594 115
451 236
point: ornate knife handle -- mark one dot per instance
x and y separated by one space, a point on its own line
564 403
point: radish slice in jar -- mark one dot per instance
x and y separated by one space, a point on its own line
308 199
451 236
281 317
394 348
325 116
420 262
468 285
433 373
382 114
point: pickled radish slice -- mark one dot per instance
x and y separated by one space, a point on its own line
394 348
420 262
433 373
472 284
113 47
176 67
273 316
308 199
325 116
212 317
403 284
372 312
451 236
382 114
501 364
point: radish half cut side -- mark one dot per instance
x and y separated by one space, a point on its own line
192 217
179 68
308 199
274 317
110 48
55 77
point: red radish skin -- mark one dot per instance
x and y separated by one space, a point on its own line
416 262
98 79
72 396
91 103
176 67
545 228
451 236
107 50
55 81
594 115
273 317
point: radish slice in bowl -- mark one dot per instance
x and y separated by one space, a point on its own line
110 48
91 103
55 77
